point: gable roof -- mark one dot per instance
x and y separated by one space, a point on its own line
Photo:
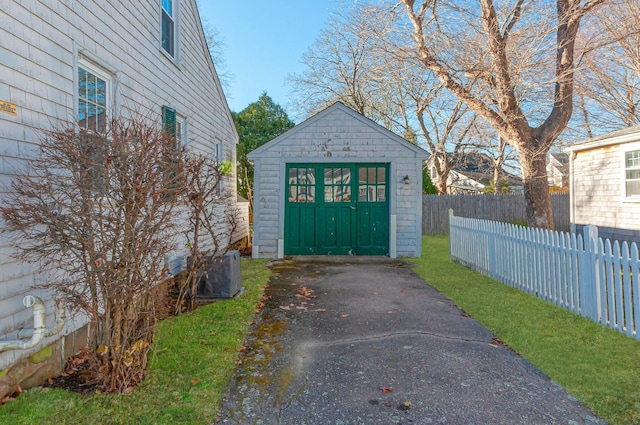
214 72
626 135
256 153
479 167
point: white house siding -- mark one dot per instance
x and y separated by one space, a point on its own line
41 43
337 134
597 189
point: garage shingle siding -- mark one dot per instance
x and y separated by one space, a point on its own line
338 135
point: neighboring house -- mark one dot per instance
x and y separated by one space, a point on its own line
473 174
605 184
338 184
82 61
558 170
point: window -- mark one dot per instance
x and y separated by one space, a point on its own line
372 184
94 87
302 184
337 184
93 97
217 152
172 127
218 157
168 27
632 174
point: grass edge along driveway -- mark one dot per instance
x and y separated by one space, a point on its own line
599 366
192 359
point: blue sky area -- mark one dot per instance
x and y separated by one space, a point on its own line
264 41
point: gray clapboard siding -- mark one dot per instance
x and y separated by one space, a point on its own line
42 43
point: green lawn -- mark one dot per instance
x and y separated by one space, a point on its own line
195 354
191 363
598 365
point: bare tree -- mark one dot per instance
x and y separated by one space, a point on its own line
339 65
99 208
359 61
216 45
608 80
505 48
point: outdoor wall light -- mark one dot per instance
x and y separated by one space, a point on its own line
407 180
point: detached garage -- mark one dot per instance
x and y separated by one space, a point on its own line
338 184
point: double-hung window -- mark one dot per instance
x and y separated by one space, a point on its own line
168 27
632 174
93 97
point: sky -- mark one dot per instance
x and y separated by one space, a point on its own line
264 41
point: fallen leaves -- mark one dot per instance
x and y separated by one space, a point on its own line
305 293
12 395
386 389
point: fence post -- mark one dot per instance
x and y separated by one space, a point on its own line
450 235
589 275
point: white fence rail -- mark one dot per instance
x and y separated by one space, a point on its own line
584 274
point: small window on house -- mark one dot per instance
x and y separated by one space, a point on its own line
168 27
94 85
93 97
217 152
218 157
173 127
632 174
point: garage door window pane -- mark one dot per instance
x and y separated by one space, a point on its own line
302 184
372 184
337 184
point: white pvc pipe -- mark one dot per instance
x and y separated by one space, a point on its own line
39 330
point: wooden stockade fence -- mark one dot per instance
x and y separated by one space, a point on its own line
586 275
506 208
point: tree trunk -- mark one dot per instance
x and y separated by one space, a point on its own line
442 186
536 191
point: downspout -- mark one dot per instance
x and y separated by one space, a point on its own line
39 331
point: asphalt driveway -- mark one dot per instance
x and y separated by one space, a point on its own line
363 340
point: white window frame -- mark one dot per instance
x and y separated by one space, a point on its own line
182 138
99 72
173 16
632 147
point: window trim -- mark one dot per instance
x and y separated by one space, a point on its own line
182 139
631 147
99 72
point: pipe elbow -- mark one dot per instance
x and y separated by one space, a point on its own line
39 331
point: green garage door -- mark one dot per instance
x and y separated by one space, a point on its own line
337 209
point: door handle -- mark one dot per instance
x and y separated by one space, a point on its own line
352 207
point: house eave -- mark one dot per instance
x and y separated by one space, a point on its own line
627 135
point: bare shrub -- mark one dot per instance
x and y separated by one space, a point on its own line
97 211
212 220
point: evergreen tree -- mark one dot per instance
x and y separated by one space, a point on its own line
257 124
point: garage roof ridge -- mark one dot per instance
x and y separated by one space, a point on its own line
344 108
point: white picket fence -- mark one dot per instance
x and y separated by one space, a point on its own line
584 274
